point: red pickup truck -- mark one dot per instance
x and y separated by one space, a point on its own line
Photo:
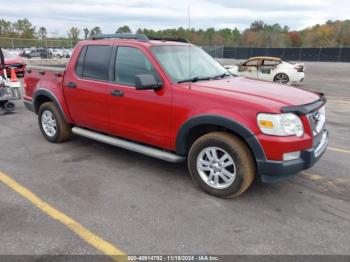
168 99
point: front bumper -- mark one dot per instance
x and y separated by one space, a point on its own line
273 171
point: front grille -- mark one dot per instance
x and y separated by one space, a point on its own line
15 66
317 120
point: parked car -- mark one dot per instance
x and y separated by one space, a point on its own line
59 53
25 52
67 53
270 69
39 52
144 95
12 60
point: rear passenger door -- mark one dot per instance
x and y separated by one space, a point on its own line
86 87
141 115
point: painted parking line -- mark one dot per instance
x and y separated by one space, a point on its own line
85 234
340 150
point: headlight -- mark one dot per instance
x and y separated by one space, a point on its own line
287 124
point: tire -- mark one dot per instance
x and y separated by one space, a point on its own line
281 78
54 128
242 170
9 107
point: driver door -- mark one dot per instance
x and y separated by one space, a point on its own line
140 115
250 68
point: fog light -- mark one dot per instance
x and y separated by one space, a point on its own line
291 156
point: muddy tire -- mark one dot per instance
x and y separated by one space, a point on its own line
52 124
221 164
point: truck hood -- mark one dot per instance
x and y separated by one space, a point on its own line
258 90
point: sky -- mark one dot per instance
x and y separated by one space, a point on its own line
59 16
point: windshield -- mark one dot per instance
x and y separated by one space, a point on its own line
176 62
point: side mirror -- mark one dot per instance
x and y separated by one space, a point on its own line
147 82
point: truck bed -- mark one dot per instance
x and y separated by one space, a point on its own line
49 77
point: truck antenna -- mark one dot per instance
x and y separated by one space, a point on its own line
189 45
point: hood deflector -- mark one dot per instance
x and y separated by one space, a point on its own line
307 108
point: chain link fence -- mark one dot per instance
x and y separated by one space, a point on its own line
19 43
323 54
215 51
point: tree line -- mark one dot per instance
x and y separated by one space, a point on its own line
259 34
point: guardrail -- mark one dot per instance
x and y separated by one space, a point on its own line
323 54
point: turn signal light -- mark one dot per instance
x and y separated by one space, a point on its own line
266 123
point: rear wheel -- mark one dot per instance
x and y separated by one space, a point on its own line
281 78
221 164
52 125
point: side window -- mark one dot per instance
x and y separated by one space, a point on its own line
270 62
80 62
96 63
131 62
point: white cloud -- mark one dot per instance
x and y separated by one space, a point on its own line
110 14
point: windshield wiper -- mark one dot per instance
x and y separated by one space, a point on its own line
195 79
220 76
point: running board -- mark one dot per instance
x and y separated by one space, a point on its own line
146 150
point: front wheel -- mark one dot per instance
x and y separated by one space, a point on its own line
52 125
221 164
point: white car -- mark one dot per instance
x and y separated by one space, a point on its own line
67 53
269 69
57 53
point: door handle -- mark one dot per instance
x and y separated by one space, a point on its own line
71 85
117 93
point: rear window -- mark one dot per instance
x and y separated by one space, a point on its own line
95 64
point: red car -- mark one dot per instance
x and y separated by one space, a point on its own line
13 61
145 95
